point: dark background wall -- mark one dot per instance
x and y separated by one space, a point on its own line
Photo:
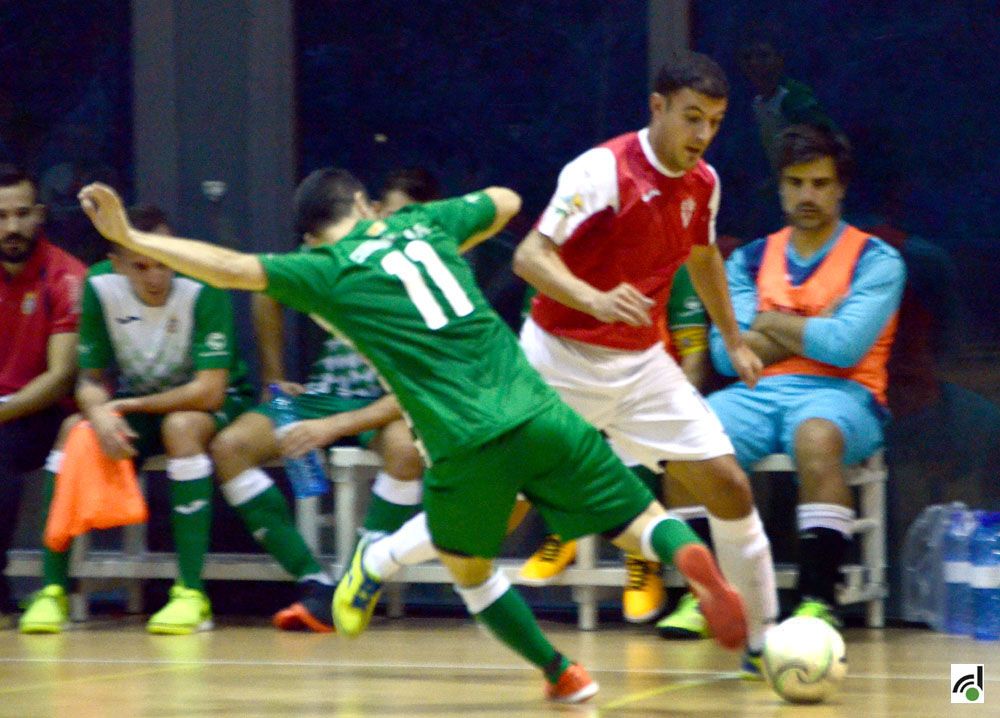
159 96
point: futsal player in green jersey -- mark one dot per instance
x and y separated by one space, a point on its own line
170 343
487 423
341 398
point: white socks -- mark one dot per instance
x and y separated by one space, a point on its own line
478 598
402 493
53 462
246 485
408 546
826 516
189 468
744 555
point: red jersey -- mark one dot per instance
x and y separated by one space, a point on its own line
44 299
627 219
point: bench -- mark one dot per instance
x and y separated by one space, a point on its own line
350 467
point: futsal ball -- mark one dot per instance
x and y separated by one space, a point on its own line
804 660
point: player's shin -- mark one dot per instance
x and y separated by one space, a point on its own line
744 555
498 606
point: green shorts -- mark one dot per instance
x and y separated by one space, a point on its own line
149 426
561 463
319 406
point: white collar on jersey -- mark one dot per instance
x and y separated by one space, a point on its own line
647 149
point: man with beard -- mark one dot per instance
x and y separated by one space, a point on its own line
39 313
817 301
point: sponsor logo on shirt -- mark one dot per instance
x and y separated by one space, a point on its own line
648 195
216 341
567 206
687 210
128 319
172 325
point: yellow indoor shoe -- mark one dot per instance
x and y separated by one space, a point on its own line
550 560
644 596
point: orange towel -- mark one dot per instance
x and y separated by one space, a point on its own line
92 491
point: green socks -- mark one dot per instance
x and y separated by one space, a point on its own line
668 535
265 512
497 605
191 514
55 566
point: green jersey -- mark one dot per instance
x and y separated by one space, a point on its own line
684 307
399 291
156 348
341 372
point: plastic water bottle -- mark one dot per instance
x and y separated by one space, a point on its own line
984 551
305 473
957 569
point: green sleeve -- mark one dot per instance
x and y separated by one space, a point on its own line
214 342
293 279
462 217
684 308
94 345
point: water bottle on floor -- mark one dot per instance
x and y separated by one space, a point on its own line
984 582
957 568
306 474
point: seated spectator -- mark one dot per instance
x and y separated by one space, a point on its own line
39 313
168 342
817 301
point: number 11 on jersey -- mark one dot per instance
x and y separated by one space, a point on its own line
403 266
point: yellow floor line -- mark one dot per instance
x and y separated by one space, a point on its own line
651 693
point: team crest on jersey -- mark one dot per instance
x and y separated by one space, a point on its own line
29 303
172 325
687 210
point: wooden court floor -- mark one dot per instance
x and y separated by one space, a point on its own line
448 667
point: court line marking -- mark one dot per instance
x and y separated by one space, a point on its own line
653 692
690 673
91 679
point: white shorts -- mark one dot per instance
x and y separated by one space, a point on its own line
640 399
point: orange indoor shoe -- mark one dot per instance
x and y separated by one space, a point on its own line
574 686
720 603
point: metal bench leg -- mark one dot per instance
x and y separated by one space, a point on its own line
586 596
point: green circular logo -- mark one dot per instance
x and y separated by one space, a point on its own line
972 695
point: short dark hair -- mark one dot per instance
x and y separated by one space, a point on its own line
692 70
11 175
147 217
802 143
324 197
416 182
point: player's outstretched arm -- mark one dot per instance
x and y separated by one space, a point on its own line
507 203
217 266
